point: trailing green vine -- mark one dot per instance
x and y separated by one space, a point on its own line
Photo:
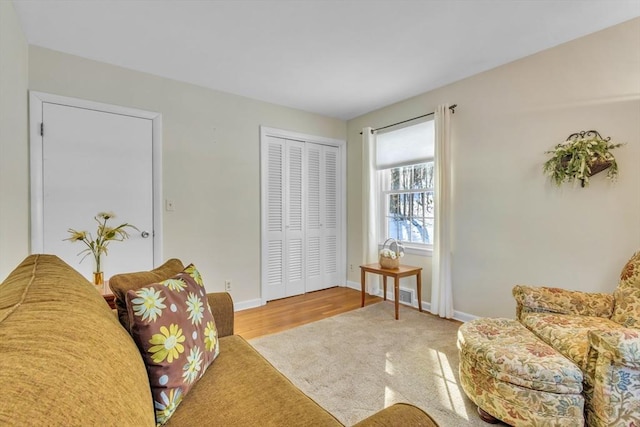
582 155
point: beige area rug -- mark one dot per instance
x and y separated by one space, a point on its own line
360 362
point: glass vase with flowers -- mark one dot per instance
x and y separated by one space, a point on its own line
98 246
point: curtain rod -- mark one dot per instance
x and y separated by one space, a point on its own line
452 108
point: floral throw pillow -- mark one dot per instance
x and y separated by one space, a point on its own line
172 324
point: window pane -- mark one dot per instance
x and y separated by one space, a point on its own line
429 203
429 175
394 204
394 228
405 174
419 176
429 227
410 217
418 231
394 179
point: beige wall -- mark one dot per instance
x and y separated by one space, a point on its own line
210 158
510 225
14 175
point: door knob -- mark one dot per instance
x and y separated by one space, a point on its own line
144 234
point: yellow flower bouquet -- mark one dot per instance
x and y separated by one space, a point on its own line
98 246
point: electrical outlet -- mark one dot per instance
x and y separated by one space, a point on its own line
350 267
227 285
169 205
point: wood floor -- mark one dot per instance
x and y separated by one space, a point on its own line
287 313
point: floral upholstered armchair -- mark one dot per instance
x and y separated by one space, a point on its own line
601 334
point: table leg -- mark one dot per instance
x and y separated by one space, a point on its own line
396 294
419 284
384 287
362 277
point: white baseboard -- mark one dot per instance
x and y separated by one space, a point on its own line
244 305
464 317
426 306
354 285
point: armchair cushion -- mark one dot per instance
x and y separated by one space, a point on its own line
562 301
568 334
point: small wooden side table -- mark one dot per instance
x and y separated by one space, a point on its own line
108 296
396 273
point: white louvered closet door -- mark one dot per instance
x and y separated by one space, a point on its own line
322 217
294 223
301 217
331 220
284 258
314 217
273 196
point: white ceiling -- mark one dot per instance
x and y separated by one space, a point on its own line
336 58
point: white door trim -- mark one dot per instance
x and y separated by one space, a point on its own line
36 101
342 147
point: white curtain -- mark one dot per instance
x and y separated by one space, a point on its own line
369 202
441 290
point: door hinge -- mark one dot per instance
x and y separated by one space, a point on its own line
42 129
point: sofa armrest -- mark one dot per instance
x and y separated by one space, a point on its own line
400 414
562 301
222 308
621 346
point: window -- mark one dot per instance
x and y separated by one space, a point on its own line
408 203
404 159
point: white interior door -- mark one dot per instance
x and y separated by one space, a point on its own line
94 161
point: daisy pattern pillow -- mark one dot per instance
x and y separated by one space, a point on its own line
172 324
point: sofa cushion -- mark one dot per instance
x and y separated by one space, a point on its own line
627 309
630 274
243 389
120 284
65 360
172 324
567 333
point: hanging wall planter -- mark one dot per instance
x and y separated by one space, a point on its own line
581 156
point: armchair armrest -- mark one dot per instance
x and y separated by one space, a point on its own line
612 376
222 309
562 301
621 346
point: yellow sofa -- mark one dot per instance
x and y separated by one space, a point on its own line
65 360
